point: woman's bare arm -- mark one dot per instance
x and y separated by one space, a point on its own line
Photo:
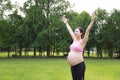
65 20
85 39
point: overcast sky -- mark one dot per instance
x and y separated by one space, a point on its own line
91 5
88 5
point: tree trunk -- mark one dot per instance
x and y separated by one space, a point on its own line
40 51
88 52
119 53
48 50
111 52
99 52
83 52
34 51
8 52
20 51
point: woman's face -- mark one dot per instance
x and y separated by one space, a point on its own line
77 33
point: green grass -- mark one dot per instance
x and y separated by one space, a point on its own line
56 69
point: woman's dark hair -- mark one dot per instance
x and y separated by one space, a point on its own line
80 29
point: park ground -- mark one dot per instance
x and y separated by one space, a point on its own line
56 69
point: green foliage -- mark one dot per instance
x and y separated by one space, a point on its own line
4 35
5 5
42 29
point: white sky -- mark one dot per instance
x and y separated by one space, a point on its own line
88 5
91 5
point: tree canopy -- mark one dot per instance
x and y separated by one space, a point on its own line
41 29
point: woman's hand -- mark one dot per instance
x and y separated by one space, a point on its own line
65 20
93 17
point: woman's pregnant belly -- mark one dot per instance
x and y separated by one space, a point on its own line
74 58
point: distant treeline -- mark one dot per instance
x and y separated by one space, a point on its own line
42 30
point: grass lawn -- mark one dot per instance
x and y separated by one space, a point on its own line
56 69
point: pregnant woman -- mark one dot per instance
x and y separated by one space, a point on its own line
75 56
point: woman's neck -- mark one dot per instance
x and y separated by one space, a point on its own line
78 38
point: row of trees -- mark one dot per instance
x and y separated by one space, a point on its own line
42 30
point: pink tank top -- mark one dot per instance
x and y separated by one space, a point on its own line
76 46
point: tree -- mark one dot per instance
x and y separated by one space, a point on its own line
5 5
111 32
101 21
40 21
16 21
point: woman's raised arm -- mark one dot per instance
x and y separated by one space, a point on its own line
85 39
65 20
